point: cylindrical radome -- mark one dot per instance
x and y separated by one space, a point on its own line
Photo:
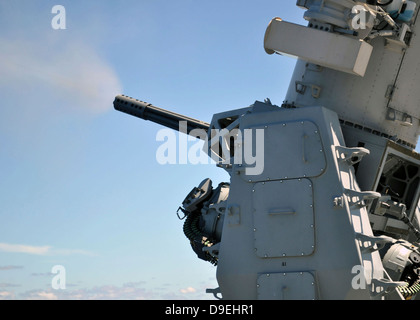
385 101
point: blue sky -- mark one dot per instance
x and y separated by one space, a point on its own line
80 185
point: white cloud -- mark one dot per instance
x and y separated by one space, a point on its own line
19 248
105 292
8 285
30 295
188 290
43 295
3 268
68 76
47 85
40 250
6 295
127 291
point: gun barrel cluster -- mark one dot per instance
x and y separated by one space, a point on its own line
147 111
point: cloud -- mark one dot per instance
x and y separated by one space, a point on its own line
19 248
134 284
47 85
42 274
6 295
39 250
52 86
188 290
3 268
105 292
38 295
8 285
126 291
65 76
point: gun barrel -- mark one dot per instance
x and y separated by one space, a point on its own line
147 111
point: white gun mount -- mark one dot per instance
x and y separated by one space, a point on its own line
335 212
